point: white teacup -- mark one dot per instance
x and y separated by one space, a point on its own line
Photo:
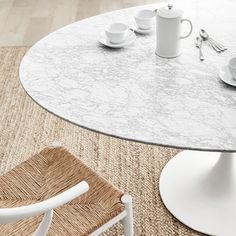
144 19
232 67
116 32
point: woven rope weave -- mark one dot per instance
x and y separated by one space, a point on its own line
135 168
49 173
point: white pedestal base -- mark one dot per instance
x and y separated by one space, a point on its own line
199 189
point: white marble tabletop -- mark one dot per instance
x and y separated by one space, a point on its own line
133 94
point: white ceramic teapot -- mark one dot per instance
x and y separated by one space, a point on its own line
169 20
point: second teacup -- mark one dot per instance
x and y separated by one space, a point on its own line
144 19
116 32
232 67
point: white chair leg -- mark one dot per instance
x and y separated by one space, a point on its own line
56 144
128 220
44 225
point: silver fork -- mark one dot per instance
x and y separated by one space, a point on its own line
215 45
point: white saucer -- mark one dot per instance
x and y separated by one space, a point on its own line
141 31
130 38
225 76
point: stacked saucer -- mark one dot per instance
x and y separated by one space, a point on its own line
117 35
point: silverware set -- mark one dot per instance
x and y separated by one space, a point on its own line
204 36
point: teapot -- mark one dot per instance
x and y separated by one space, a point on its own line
168 33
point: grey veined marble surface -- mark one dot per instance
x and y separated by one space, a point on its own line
132 93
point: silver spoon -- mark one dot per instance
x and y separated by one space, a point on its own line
221 46
205 38
217 46
205 35
198 44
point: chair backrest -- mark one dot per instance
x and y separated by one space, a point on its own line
8 215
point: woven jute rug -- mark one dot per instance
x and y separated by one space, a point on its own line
26 128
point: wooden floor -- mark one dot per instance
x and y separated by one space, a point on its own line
23 22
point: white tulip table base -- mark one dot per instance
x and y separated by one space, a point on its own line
199 189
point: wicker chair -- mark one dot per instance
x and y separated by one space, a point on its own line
73 198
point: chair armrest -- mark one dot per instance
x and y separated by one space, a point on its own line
12 214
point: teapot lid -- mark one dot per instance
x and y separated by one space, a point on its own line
169 12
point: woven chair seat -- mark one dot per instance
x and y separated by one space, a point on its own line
49 173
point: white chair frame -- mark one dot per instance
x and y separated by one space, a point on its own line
46 207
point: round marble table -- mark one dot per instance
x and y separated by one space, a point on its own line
133 94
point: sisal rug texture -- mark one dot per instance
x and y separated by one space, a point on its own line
26 128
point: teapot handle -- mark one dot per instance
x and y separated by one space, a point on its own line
191 28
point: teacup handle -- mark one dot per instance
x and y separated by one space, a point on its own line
191 28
